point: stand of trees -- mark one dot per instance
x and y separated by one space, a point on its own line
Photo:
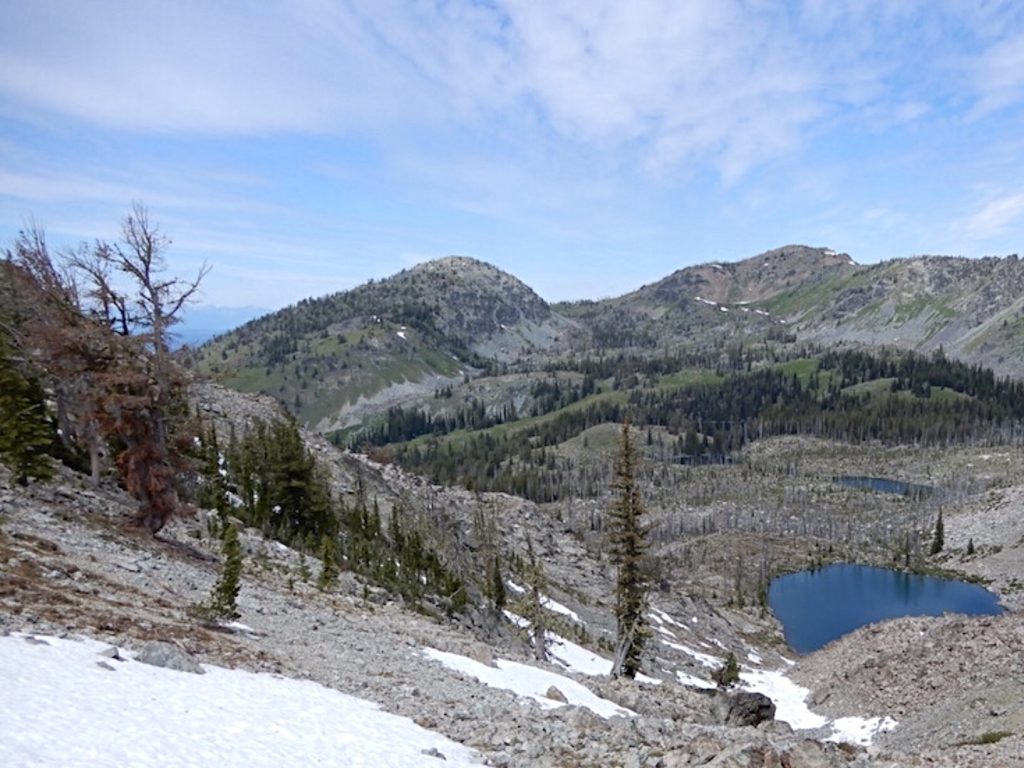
909 399
91 327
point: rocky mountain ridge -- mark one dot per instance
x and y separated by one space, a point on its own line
340 360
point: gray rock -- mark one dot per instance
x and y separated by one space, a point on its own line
169 656
555 695
433 752
746 708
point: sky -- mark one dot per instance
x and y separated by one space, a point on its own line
301 147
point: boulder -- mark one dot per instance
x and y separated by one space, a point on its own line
169 656
555 695
746 708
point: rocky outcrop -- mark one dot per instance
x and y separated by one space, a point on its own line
746 708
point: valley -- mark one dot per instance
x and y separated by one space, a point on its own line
406 463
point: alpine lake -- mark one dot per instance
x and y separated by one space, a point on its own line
821 605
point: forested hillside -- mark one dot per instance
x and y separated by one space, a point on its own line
456 344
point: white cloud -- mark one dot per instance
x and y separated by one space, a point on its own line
995 216
999 76
662 83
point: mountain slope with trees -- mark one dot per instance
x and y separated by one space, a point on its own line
458 341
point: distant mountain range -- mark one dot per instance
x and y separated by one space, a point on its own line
338 359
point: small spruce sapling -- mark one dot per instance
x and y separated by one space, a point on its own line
223 601
729 673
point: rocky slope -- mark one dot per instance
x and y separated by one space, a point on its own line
70 565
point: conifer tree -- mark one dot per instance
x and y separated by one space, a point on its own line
627 545
533 606
223 602
497 590
26 435
939 539
329 563
729 673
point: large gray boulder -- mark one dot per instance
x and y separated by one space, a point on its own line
169 656
745 708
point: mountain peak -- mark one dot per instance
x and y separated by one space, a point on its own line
757 278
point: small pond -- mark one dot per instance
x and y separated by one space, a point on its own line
816 607
885 485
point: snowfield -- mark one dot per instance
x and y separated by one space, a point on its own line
60 707
530 682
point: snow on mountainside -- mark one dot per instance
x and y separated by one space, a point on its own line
69 702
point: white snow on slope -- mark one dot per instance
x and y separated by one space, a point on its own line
550 603
693 681
709 661
660 617
575 657
530 682
60 708
859 730
790 699
791 705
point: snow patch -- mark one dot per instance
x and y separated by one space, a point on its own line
547 602
693 681
859 730
661 616
705 659
791 705
529 682
574 657
790 699
61 708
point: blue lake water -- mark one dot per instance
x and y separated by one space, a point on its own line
885 485
816 607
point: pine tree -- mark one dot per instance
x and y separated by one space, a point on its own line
26 435
223 600
533 605
939 539
329 563
627 545
497 590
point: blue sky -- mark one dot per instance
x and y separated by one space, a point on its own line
588 147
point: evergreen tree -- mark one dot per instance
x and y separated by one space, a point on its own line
729 673
533 606
627 545
329 563
223 600
939 539
970 546
26 435
497 590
